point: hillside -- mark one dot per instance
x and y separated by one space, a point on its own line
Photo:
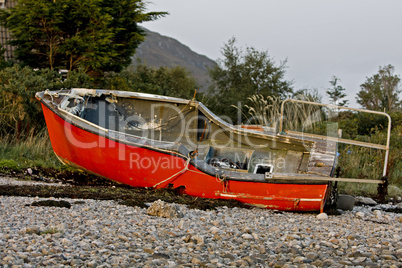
158 50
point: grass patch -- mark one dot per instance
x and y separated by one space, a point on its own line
50 230
9 165
33 150
367 189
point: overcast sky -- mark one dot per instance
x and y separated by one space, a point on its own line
319 38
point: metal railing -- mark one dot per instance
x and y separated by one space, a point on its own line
346 141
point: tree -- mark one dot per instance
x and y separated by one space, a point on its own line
380 91
243 74
95 35
3 63
19 110
175 81
336 93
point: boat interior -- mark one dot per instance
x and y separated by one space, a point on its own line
189 128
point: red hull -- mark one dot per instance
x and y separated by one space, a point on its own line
146 167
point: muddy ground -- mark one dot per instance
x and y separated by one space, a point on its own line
81 185
86 186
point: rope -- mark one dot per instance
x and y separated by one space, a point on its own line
176 174
223 182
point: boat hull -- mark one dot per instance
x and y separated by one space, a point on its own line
144 166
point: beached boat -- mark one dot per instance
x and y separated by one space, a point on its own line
146 140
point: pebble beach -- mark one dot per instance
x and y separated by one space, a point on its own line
105 234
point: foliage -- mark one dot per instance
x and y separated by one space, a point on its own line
175 81
297 116
264 111
355 161
95 35
356 125
77 78
243 74
19 110
267 111
306 94
380 91
368 189
3 62
367 163
336 93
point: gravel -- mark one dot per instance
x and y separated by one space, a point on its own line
13 181
105 234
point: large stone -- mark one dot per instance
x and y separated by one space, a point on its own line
183 224
198 239
360 200
158 255
387 257
214 230
372 241
377 213
165 210
8 258
299 259
247 236
229 256
32 230
322 216
345 202
311 255
196 260
92 264
360 214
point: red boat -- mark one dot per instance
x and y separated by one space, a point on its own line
145 140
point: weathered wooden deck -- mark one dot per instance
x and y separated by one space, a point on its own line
322 155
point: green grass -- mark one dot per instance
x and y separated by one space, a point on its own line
360 162
50 230
19 153
366 163
367 189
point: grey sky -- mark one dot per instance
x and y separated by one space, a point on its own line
319 38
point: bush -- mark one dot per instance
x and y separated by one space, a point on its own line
19 110
174 82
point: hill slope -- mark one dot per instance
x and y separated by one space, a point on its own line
158 50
